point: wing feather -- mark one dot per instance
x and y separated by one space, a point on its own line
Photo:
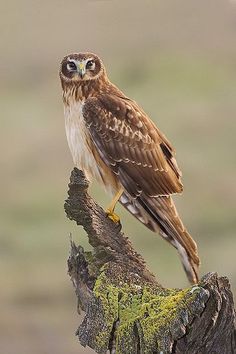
130 144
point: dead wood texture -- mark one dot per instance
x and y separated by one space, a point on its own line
126 310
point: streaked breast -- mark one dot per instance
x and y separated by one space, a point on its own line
83 151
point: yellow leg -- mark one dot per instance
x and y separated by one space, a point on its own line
110 210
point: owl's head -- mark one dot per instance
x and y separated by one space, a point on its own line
79 67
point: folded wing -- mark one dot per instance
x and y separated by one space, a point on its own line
131 145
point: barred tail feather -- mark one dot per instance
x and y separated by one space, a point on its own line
160 214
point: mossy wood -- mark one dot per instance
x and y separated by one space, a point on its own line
126 310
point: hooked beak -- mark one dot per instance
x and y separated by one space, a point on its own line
81 70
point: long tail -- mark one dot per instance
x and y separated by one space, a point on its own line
160 214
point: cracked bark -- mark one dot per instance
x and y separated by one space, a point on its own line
126 309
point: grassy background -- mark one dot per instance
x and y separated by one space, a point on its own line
177 59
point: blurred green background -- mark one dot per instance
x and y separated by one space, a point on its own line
178 60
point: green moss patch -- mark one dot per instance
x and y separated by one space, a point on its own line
142 310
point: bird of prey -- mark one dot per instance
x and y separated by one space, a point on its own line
115 142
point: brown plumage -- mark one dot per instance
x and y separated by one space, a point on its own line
113 140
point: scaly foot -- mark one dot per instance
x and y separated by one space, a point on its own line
114 217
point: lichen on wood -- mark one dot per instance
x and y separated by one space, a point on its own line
144 311
126 310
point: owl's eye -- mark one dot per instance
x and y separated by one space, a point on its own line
90 64
71 66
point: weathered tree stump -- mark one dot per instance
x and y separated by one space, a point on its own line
126 310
